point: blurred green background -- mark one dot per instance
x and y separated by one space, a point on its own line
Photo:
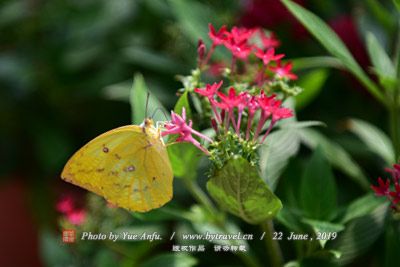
66 68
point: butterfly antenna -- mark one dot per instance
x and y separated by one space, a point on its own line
163 112
147 104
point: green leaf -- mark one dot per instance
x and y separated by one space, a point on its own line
184 158
203 223
193 17
183 102
288 217
301 124
326 228
317 62
397 4
238 188
171 260
374 138
52 250
335 154
361 207
312 84
279 147
329 39
383 66
138 99
318 189
359 235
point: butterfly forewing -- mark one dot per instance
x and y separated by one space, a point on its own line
128 166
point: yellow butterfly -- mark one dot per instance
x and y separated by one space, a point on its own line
128 166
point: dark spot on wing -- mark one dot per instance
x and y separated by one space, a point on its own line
100 170
135 190
113 173
105 149
130 168
154 178
117 156
145 188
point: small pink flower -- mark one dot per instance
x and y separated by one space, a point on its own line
179 126
65 204
219 37
395 194
268 56
283 71
76 217
239 50
210 90
269 41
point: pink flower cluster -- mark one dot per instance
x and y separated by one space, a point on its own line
238 42
67 207
230 108
228 111
383 189
184 130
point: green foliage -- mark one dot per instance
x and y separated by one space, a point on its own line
374 138
138 99
312 83
360 234
383 66
279 147
336 155
318 189
171 260
333 44
184 159
238 188
323 227
361 207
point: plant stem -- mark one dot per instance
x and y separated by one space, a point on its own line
395 127
199 195
273 248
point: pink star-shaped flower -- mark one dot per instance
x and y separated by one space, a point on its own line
268 56
284 71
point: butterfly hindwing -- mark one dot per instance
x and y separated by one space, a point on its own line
128 166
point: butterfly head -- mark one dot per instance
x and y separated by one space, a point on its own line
148 123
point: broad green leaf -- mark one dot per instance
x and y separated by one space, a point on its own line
238 188
324 228
361 207
279 147
374 138
312 84
383 66
138 99
318 189
183 102
335 154
359 235
329 39
184 158
171 260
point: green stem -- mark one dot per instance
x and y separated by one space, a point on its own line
200 196
395 127
273 248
